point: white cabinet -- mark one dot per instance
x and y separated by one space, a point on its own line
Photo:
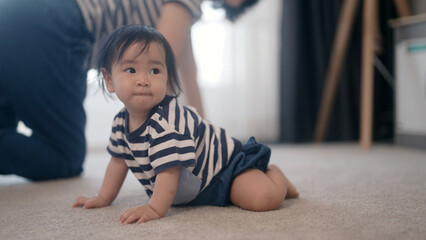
410 82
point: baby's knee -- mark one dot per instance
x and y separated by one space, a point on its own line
263 200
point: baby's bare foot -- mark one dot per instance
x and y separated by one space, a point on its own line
291 189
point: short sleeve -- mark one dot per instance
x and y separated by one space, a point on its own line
171 149
115 144
193 6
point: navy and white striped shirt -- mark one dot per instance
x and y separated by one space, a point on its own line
103 16
174 135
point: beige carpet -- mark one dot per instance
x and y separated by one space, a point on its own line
345 194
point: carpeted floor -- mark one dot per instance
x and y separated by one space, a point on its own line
345 194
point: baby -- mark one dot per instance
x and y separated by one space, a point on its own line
179 158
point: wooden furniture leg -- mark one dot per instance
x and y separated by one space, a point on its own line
402 8
338 52
367 73
340 41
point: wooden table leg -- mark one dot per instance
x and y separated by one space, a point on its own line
337 57
367 73
403 8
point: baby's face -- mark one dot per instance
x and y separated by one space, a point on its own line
140 79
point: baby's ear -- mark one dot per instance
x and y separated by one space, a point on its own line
108 80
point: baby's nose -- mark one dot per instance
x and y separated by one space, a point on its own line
143 83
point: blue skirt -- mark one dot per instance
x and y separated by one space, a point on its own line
253 155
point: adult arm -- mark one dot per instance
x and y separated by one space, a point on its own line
188 72
175 24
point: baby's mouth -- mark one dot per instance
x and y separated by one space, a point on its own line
143 94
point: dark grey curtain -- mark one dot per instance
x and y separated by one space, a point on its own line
308 28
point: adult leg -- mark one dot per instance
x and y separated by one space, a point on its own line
258 191
43 84
7 120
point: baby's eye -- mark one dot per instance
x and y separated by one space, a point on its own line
131 70
154 71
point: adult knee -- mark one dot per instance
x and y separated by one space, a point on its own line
51 163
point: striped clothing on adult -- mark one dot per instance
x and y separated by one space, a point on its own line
174 135
103 16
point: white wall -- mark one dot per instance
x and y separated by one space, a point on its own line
100 111
240 83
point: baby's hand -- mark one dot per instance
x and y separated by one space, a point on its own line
92 202
140 214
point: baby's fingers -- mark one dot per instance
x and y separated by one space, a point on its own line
79 202
141 220
132 218
126 214
94 202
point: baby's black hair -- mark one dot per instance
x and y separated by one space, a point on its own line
232 13
112 48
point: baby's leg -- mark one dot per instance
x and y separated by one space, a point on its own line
254 190
276 175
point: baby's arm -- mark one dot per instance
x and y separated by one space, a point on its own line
114 177
166 184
